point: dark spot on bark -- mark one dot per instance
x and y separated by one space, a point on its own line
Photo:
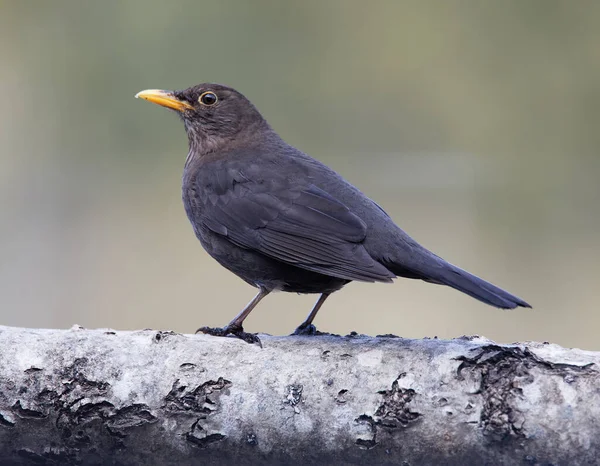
32 370
46 397
345 356
128 417
293 394
387 335
352 334
84 401
71 416
6 422
201 399
251 439
341 396
162 335
110 332
502 372
75 379
393 413
199 437
366 443
469 337
325 354
27 413
394 410
186 366
372 426
22 389
80 404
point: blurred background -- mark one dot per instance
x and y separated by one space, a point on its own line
474 124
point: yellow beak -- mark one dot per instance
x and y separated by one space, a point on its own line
164 98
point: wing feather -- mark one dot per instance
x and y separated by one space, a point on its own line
296 223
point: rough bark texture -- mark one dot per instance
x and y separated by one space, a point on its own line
148 397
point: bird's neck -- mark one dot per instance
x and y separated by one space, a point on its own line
205 144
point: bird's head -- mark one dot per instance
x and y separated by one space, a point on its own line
216 117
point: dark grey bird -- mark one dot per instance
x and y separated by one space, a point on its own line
281 220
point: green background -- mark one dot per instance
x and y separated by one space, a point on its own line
475 124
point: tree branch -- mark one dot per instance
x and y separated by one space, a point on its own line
102 397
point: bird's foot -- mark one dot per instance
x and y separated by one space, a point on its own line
306 330
231 330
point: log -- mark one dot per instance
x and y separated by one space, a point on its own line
157 397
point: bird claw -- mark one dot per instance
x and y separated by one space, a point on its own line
216 331
306 330
237 332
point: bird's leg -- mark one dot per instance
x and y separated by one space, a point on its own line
306 327
235 326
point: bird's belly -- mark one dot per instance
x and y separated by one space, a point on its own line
260 270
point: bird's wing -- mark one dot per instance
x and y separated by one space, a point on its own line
291 221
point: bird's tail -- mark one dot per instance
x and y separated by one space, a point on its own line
444 273
479 289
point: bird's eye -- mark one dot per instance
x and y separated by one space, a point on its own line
208 98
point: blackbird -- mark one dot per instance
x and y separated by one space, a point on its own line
281 220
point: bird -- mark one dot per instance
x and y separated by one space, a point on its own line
284 221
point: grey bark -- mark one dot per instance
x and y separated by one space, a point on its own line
147 397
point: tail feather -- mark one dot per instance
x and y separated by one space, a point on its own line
436 270
478 288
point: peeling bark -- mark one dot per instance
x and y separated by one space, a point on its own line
147 397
